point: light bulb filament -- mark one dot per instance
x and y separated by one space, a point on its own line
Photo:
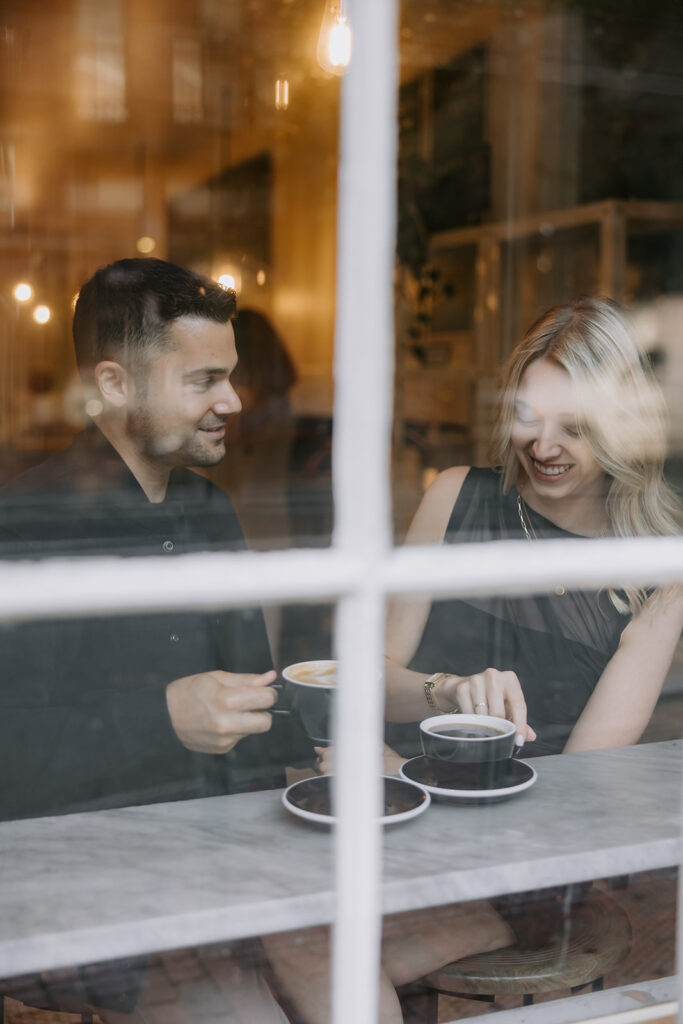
340 43
281 94
334 41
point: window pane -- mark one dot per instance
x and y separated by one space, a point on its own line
203 135
158 860
199 136
527 136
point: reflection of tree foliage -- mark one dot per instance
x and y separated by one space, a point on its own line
639 142
452 187
618 29
432 199
632 113
415 185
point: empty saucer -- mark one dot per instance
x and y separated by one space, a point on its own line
311 799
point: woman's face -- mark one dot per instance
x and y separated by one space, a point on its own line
545 438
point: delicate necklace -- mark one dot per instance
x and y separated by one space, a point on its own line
530 533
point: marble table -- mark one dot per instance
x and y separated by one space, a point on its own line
88 887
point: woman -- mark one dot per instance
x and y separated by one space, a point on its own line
578 447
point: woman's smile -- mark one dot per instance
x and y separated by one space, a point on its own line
561 478
549 471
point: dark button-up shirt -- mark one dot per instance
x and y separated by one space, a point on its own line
83 717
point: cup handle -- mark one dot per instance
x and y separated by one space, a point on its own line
283 707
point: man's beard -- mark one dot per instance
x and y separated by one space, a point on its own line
173 448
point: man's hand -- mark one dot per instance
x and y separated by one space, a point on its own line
212 711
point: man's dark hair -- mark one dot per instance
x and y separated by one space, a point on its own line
124 310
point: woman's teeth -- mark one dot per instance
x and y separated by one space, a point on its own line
549 470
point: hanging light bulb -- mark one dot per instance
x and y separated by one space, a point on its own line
282 94
334 41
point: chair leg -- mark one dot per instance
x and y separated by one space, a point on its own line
420 1007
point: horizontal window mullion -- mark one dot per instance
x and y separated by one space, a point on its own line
519 567
56 588
62 588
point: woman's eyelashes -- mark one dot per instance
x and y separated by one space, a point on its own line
571 430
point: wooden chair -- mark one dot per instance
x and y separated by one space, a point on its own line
556 950
86 1018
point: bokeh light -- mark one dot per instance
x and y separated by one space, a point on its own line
41 314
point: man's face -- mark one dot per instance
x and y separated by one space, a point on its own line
178 408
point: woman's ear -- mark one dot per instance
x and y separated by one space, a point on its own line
113 382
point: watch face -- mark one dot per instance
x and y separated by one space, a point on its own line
429 685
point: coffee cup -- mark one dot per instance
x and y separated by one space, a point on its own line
312 687
480 745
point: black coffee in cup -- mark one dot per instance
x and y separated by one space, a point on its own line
467 731
480 745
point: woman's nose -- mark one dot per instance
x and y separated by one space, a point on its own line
546 445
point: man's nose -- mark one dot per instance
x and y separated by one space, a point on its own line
227 400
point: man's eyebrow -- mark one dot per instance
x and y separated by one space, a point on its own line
207 371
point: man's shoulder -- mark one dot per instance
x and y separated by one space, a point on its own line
37 506
56 474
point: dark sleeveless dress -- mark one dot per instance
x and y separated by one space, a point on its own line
557 645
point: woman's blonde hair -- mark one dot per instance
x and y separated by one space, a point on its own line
622 417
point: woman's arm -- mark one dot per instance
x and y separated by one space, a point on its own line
407 617
623 700
500 692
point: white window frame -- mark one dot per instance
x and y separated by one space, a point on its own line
361 569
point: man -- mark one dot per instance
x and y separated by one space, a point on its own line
132 709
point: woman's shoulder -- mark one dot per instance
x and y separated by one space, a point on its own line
473 482
434 513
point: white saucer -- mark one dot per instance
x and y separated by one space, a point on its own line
420 771
310 799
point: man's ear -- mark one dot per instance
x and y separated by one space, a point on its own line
114 382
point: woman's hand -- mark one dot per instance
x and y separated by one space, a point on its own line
391 761
486 693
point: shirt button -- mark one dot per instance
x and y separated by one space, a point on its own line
174 638
168 545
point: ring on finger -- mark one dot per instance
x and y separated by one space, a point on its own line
481 704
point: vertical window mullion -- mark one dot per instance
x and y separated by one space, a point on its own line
363 410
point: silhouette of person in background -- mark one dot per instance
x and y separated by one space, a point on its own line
256 473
